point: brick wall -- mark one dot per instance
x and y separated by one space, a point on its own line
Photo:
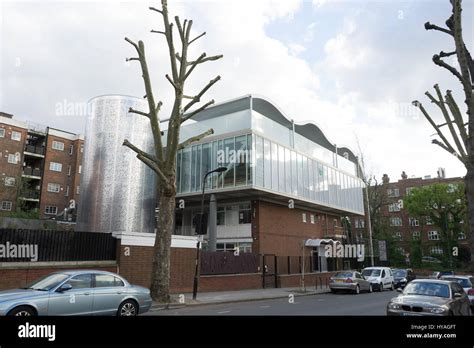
281 231
311 280
11 278
9 146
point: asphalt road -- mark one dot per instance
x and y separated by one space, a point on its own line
322 304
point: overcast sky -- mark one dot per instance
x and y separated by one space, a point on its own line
352 67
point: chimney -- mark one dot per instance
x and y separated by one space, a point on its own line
441 173
385 179
404 175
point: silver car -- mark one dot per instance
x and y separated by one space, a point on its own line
80 292
430 297
349 281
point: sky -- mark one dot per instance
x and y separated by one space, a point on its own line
352 67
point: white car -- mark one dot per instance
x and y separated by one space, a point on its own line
467 283
380 277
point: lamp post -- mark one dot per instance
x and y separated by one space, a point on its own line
198 252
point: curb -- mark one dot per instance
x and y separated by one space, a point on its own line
172 306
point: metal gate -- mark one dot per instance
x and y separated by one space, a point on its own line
269 271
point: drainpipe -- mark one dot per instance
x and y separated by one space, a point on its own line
335 156
292 134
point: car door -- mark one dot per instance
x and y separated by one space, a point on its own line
364 284
109 291
383 277
76 301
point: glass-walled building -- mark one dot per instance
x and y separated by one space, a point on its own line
270 162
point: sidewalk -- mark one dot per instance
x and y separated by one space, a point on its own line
207 298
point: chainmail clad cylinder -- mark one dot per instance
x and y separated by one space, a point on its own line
117 189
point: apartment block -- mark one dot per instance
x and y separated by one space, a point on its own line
40 169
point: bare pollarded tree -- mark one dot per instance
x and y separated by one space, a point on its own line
163 160
454 118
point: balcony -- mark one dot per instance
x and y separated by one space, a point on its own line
35 150
31 195
32 172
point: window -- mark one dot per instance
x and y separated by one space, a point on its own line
220 215
12 158
6 205
304 217
78 189
9 181
428 221
409 190
312 218
67 191
359 223
53 187
82 281
82 148
413 222
51 210
16 136
416 235
69 170
80 169
55 167
393 207
397 236
71 149
433 235
436 250
393 192
2 132
58 145
107 281
395 221
461 236
244 214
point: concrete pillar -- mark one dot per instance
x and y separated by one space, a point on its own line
212 223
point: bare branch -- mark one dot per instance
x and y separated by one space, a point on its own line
130 59
157 32
138 151
195 138
171 81
448 149
197 98
132 43
180 28
438 61
188 32
446 54
453 106
433 99
194 64
197 37
206 59
149 160
138 112
155 9
154 167
192 114
429 26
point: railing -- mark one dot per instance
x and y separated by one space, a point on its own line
32 171
35 149
30 194
49 245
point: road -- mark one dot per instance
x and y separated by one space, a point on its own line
322 304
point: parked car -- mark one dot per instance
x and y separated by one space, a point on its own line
78 292
349 281
380 277
430 259
430 297
402 277
467 283
438 275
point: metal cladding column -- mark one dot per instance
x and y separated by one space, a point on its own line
212 223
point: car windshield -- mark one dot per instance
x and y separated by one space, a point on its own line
427 289
464 282
371 272
48 282
343 275
399 273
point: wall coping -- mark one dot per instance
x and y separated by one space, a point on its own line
148 239
56 264
230 275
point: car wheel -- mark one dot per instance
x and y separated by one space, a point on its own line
22 311
380 287
370 288
128 308
392 287
357 290
333 291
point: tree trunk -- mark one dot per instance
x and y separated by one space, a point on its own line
160 282
469 186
